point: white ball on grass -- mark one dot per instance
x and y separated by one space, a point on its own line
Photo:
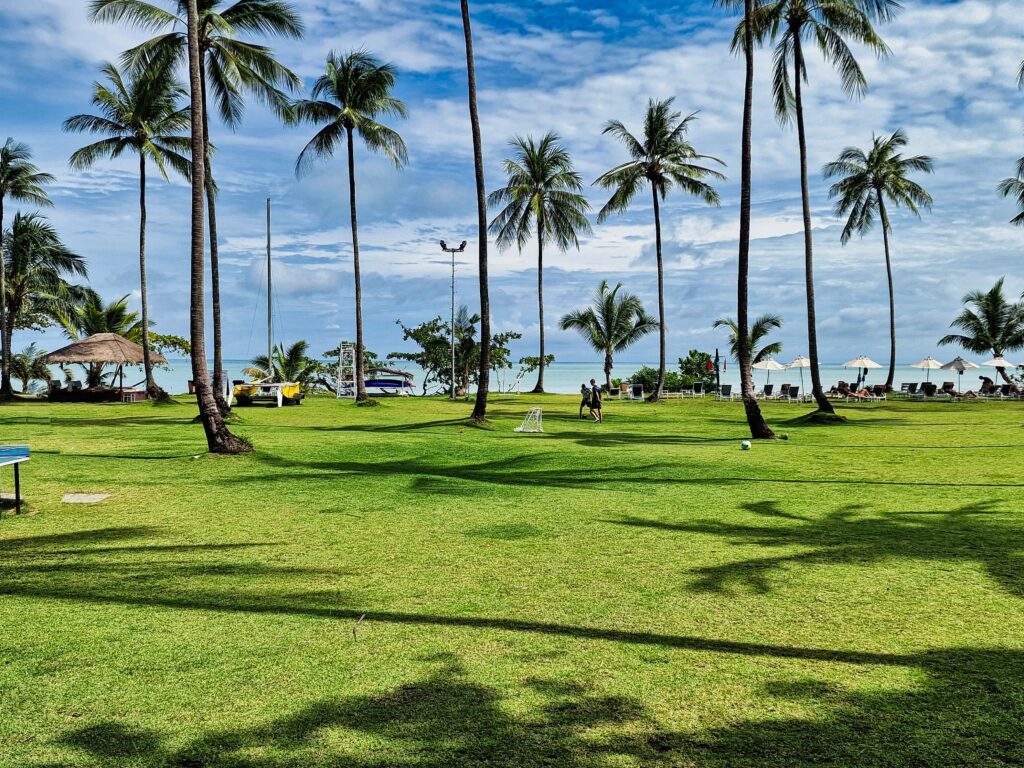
745 445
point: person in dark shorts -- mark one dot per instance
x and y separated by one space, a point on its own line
585 402
595 402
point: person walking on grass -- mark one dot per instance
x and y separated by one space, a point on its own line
585 401
595 402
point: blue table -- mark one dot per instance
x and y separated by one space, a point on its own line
15 456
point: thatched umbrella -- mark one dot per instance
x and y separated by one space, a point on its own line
103 349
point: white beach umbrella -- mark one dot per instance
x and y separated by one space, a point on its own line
769 365
959 365
860 363
999 362
929 364
800 362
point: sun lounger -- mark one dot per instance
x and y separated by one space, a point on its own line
793 395
724 392
766 392
636 392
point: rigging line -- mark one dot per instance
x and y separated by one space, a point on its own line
255 307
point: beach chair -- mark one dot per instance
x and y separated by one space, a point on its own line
877 392
766 392
793 395
54 386
912 390
782 393
75 386
724 392
698 389
623 389
636 392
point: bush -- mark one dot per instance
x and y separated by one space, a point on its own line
694 368
648 377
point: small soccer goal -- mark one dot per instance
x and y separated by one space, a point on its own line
534 421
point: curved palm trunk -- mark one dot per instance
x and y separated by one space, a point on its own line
483 385
360 370
211 195
154 392
892 295
539 389
824 405
6 390
656 394
218 438
759 429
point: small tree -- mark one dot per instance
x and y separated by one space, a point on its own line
697 368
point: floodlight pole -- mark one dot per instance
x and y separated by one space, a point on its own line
453 251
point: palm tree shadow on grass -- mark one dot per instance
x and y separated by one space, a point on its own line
971 533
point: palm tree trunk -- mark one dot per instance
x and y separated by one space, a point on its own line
539 389
6 390
892 297
483 385
360 370
152 390
759 429
211 195
656 394
218 438
608 371
824 406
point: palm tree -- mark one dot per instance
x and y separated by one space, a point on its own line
91 316
227 67
828 23
484 379
1014 186
28 366
995 326
542 197
866 181
349 98
20 180
142 114
291 364
612 323
664 159
218 438
757 351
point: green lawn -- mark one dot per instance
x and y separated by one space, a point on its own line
387 587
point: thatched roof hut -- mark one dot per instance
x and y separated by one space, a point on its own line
103 349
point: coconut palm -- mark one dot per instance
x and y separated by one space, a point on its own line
758 349
994 326
28 366
228 67
484 379
20 180
1014 186
348 100
291 364
91 316
543 198
663 158
759 428
611 324
866 181
829 24
141 113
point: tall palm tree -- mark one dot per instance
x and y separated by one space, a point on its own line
758 350
759 428
218 438
28 366
228 67
994 326
542 197
20 180
664 159
612 323
141 113
484 380
866 181
349 99
828 24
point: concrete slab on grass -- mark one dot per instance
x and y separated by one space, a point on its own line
84 498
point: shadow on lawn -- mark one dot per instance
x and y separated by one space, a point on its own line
970 533
966 711
960 706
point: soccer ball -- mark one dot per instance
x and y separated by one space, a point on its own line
745 445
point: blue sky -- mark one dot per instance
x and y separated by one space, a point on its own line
569 67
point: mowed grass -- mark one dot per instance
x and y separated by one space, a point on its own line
388 587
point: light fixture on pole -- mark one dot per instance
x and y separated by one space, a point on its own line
453 251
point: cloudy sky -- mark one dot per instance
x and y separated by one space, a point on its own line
567 66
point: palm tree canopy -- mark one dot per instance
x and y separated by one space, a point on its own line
543 195
140 112
354 91
232 65
826 23
92 316
1014 187
20 179
866 179
994 325
662 156
612 322
760 329
27 366
291 364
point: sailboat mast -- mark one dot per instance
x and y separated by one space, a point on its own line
270 303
